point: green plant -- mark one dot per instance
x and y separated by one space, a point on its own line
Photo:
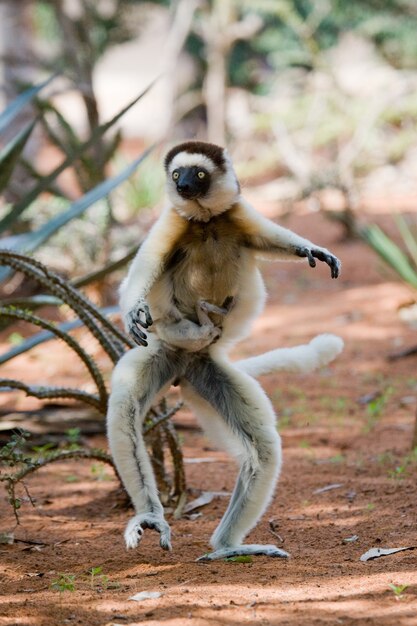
98 471
96 572
73 435
44 449
337 459
400 470
376 406
16 464
112 340
244 558
11 224
65 582
403 261
398 590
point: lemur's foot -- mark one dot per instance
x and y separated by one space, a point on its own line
245 550
207 307
136 526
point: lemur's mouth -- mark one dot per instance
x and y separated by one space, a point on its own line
189 194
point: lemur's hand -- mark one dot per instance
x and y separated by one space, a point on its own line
134 320
322 255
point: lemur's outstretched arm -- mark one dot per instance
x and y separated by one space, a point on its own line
274 241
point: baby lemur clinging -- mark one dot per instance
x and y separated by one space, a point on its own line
178 331
195 287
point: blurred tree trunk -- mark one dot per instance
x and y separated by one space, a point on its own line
17 69
15 49
215 34
220 30
182 15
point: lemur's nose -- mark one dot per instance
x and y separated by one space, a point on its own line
183 187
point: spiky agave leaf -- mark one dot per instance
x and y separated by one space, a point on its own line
28 242
10 218
390 253
20 102
10 154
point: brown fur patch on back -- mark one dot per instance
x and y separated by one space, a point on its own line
210 150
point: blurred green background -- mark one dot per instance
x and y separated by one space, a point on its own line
315 100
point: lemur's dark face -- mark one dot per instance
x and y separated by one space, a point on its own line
191 182
201 182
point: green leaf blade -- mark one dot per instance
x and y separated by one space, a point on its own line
11 153
20 102
391 254
49 179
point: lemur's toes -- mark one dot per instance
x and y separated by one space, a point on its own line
245 550
133 534
136 526
165 541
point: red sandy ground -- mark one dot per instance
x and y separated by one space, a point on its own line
328 437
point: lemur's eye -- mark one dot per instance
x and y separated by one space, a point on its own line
175 175
201 174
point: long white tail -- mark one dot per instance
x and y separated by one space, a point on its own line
303 359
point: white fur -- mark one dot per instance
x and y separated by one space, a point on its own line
247 424
191 159
301 359
264 434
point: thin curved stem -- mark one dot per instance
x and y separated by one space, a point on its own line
47 393
83 309
82 354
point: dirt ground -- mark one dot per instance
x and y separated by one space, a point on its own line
329 437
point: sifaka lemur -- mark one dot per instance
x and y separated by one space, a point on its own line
191 293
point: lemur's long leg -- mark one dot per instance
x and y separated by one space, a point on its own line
234 407
137 378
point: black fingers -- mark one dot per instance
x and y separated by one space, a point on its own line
312 254
335 266
311 260
148 316
306 252
138 336
331 260
135 321
143 308
136 333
